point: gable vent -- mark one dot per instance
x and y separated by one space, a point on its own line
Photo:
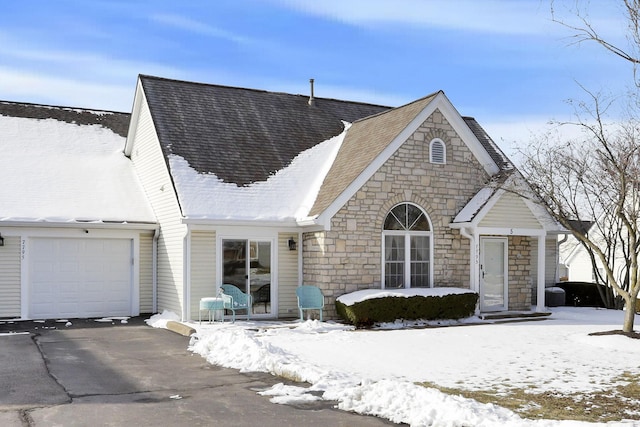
437 152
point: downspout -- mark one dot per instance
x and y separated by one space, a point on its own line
540 306
300 260
473 264
186 275
154 272
560 242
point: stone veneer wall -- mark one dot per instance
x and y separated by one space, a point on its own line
519 273
348 257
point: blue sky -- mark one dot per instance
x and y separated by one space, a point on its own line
503 62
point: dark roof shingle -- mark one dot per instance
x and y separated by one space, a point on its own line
489 145
242 135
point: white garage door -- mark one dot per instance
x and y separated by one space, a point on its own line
79 277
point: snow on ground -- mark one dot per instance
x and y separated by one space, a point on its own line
374 371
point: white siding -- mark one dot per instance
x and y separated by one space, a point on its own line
287 277
151 168
146 273
581 268
550 262
203 268
10 275
510 212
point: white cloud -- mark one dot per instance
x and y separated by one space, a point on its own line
490 16
522 17
191 25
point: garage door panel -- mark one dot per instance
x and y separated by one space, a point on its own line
80 278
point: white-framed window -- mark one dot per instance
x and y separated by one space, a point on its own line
407 248
437 151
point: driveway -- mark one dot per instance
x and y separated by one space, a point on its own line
97 374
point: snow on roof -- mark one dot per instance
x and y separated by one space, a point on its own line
287 195
475 204
55 171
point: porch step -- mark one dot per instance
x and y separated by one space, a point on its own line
515 315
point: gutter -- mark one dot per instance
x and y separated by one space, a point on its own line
82 224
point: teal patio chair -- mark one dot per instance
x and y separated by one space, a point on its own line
234 299
309 298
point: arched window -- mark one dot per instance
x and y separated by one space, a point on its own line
407 248
437 152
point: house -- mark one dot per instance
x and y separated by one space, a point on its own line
269 190
574 260
76 228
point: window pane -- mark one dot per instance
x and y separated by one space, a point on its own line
260 276
391 222
394 248
394 265
235 263
420 261
417 220
400 212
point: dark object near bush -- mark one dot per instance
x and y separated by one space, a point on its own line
582 294
388 309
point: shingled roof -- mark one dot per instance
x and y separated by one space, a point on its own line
117 122
494 151
242 135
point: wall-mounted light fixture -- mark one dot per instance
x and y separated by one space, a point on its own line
1 240
292 244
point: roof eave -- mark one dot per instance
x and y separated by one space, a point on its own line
81 224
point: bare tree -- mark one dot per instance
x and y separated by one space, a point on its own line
596 177
585 31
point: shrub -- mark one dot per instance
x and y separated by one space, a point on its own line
389 309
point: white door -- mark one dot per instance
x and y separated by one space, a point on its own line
493 274
79 277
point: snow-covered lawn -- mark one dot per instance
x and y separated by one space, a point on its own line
376 371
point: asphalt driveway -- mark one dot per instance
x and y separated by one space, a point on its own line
98 374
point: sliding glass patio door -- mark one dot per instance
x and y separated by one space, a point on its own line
247 265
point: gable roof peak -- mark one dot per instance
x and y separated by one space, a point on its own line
264 91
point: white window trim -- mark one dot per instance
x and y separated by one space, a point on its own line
407 242
444 151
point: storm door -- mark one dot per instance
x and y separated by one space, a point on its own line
493 274
247 265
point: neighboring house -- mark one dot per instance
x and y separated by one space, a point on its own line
268 191
575 261
76 227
